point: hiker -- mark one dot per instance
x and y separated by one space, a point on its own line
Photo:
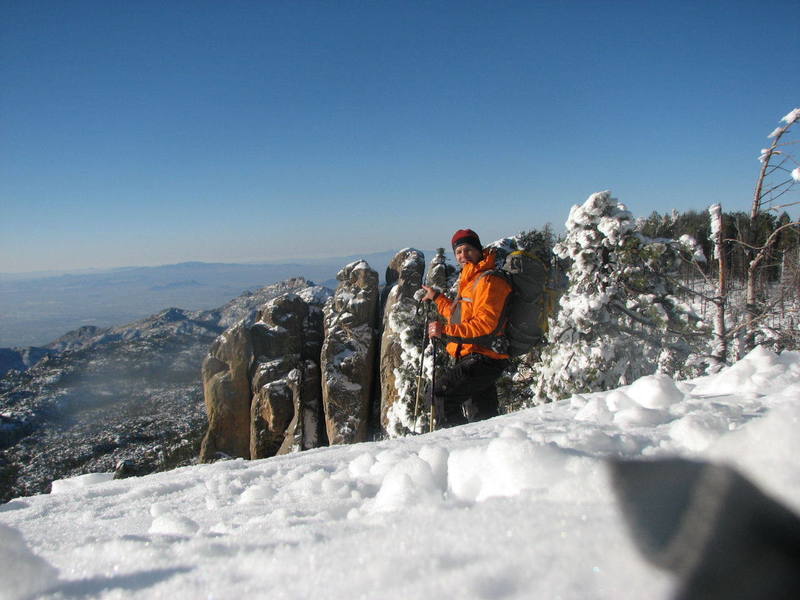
465 391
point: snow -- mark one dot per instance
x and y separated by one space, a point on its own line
24 573
519 506
789 119
715 217
65 486
655 391
767 153
315 295
792 116
358 265
691 245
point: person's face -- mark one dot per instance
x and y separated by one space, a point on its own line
467 254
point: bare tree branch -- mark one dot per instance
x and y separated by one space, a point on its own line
789 181
778 208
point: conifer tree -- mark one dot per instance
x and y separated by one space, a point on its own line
620 318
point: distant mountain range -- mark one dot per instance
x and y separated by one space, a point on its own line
36 309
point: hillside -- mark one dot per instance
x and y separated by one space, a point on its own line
128 394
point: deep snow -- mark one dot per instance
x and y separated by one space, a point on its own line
516 507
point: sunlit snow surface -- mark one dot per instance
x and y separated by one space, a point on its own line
516 507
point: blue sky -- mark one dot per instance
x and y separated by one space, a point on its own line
143 133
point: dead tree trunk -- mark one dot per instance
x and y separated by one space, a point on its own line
720 352
764 195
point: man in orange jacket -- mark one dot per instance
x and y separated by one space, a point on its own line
466 390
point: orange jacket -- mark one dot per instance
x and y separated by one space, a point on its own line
477 309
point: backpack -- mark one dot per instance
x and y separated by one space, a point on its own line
533 299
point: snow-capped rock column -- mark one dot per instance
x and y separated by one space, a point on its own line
348 353
278 377
304 429
259 374
308 429
402 336
441 275
226 388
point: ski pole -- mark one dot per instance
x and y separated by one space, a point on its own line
434 416
421 362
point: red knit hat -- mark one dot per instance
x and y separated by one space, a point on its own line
466 236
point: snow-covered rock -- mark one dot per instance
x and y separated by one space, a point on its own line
286 405
441 275
348 353
262 382
400 350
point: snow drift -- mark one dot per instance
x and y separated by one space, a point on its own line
520 506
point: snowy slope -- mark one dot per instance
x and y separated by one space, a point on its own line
516 507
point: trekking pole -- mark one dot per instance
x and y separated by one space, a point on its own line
434 416
421 362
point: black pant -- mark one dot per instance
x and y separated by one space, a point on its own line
466 391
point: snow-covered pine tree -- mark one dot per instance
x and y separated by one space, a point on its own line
620 318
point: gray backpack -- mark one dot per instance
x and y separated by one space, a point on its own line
523 323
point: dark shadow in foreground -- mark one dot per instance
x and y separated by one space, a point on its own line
710 526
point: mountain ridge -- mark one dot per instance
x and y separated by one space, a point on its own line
38 310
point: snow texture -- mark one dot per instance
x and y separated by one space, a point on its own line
775 132
715 218
691 246
791 117
519 506
400 416
24 573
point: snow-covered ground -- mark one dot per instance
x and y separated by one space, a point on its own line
520 506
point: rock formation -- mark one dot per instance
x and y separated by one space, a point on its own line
400 341
305 430
441 274
129 396
261 381
348 353
285 409
297 374
226 389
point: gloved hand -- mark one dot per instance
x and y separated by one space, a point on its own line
430 294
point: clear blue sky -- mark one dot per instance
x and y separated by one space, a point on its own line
143 133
